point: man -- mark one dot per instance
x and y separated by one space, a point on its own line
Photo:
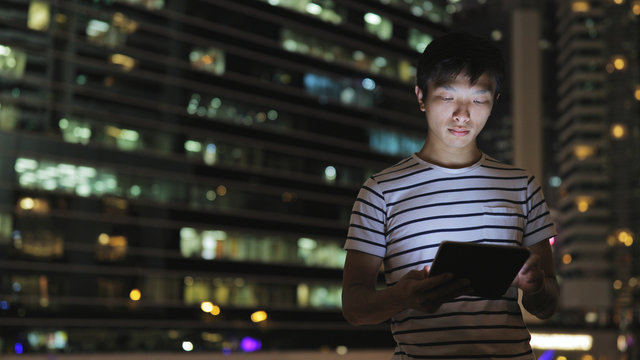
449 190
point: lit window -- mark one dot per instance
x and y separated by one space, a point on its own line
379 26
583 152
210 60
111 248
584 202
580 6
418 40
39 15
126 62
12 62
618 131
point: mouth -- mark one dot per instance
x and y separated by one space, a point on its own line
459 132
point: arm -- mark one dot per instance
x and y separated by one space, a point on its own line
363 304
537 279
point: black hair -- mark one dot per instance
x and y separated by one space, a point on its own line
454 53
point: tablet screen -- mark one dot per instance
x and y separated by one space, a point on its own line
490 268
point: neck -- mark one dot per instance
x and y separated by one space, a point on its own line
452 159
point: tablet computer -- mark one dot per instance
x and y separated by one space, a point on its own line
490 268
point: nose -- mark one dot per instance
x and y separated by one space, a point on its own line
461 114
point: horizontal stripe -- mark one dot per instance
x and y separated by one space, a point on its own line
457 313
448 191
367 216
461 202
373 191
476 356
395 171
365 241
408 266
366 229
539 229
534 193
467 342
463 327
540 216
469 177
502 168
454 230
412 250
405 176
370 204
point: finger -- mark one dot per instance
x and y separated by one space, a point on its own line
435 281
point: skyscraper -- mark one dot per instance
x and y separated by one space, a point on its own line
179 174
598 147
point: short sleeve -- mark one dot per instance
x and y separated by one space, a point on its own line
368 218
539 225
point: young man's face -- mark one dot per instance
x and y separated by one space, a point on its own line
457 111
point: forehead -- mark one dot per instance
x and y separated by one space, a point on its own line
484 82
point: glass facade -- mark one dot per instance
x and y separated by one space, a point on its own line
182 172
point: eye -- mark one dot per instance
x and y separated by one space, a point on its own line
480 102
446 98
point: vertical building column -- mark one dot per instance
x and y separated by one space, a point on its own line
526 90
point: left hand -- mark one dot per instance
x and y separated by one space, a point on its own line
531 277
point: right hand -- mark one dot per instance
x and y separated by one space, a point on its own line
423 293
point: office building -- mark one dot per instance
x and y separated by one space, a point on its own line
178 175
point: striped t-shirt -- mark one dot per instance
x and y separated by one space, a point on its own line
404 212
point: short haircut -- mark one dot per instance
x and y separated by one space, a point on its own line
452 54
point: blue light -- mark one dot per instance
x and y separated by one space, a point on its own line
18 348
547 355
368 84
4 305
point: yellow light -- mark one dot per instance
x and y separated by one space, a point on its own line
633 282
39 15
566 259
584 202
27 203
554 341
617 284
135 295
206 306
561 358
221 190
618 131
127 62
103 239
635 7
215 310
259 316
584 151
619 62
625 237
587 357
580 6
636 93
619 2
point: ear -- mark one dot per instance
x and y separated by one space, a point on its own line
419 96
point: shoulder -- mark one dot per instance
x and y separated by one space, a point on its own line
405 168
497 167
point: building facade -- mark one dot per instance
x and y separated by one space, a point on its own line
598 147
178 175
